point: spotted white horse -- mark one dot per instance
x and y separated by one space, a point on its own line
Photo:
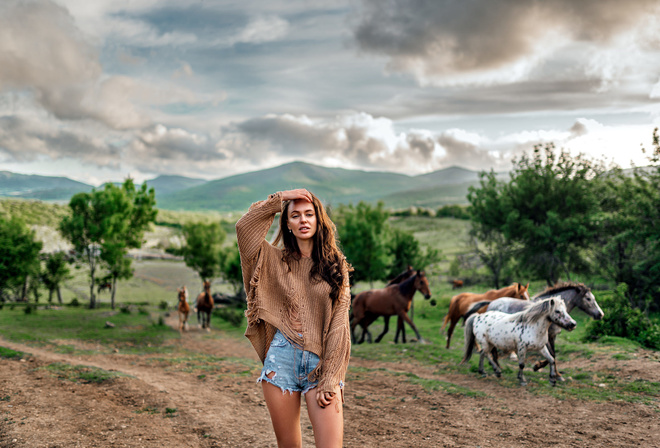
520 332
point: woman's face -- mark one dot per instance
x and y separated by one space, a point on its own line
302 219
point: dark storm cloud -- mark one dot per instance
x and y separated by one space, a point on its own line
439 38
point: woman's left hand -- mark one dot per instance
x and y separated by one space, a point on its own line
325 398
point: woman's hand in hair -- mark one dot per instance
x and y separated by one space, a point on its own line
293 195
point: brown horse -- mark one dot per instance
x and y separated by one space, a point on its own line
183 308
205 306
389 301
460 303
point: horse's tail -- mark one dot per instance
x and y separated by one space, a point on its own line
469 339
474 308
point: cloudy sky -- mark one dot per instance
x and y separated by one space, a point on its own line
104 89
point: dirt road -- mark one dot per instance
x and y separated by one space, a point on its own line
160 403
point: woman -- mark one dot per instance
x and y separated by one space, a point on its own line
298 297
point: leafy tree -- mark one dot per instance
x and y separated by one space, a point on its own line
55 271
630 237
549 209
104 224
128 214
405 251
231 267
19 254
203 248
363 231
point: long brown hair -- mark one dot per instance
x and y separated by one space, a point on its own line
327 257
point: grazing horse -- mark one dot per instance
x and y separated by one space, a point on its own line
183 308
460 303
389 301
574 295
205 306
455 284
523 331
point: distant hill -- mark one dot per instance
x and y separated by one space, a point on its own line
235 193
332 185
165 185
46 188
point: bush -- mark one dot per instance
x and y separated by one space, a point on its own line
74 302
624 321
234 316
162 305
125 309
29 309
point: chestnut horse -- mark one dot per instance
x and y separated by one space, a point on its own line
205 306
460 303
389 301
183 308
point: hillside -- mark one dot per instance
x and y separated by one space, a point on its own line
47 188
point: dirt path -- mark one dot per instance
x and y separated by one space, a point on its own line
156 405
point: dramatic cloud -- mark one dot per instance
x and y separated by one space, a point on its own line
442 41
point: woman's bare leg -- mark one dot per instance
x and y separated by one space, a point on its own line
285 414
327 422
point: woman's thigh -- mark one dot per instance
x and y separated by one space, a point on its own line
328 422
284 409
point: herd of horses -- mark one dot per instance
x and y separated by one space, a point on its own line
498 322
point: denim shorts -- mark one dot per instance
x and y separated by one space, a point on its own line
291 364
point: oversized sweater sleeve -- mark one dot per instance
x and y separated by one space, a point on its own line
251 231
337 342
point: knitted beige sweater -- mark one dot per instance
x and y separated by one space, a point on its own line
277 291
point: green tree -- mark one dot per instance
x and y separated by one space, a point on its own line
203 247
128 214
19 255
405 250
549 209
363 231
55 271
231 267
630 236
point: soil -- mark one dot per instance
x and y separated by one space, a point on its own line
155 405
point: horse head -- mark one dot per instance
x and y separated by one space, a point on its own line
558 314
182 293
589 305
207 285
422 284
521 291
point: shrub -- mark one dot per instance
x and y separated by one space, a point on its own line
162 305
29 309
232 315
624 321
74 302
125 309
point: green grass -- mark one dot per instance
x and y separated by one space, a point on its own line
82 374
132 331
8 353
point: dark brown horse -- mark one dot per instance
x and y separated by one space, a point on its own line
393 300
460 303
183 308
205 306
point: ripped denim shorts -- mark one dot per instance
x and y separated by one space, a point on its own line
291 365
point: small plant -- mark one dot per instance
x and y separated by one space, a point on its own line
74 302
170 412
29 309
125 309
142 310
163 305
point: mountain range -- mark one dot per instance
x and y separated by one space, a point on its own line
235 193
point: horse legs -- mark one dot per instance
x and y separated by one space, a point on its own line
522 354
400 328
488 353
386 329
403 315
544 362
450 330
551 360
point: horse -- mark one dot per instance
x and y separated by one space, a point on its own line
183 308
460 303
103 286
523 331
389 301
456 284
205 306
574 295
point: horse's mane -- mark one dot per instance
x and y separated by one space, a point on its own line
560 287
404 286
537 311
